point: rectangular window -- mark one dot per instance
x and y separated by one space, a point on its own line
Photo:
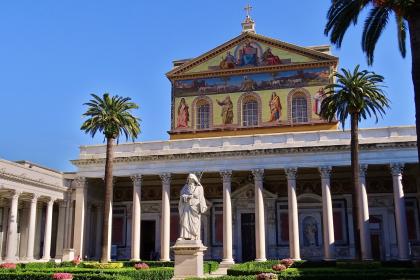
250 113
203 116
299 110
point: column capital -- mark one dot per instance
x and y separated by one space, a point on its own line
396 168
51 200
325 172
79 182
137 179
226 175
34 198
15 194
165 177
362 170
291 173
258 174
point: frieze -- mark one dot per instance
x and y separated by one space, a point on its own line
24 179
243 153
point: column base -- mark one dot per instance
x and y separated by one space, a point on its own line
226 263
329 260
165 260
261 260
11 260
135 260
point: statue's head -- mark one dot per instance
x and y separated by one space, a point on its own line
192 179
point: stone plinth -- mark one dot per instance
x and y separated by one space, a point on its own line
188 259
68 255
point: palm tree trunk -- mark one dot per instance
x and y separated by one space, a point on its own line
354 148
106 234
414 27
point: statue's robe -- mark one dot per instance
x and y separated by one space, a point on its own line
190 211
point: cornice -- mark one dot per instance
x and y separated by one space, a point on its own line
23 179
254 70
243 153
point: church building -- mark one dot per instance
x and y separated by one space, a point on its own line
276 176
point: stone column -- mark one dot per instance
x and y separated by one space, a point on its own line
11 247
136 218
327 213
259 215
61 229
293 214
227 218
47 233
365 246
400 214
31 230
79 215
99 222
88 230
166 217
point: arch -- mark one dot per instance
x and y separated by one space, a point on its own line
197 102
244 98
299 92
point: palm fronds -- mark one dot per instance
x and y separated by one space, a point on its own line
111 115
354 91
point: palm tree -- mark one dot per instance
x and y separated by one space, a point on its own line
343 13
357 94
110 115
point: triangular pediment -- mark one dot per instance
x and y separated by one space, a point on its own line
248 192
250 51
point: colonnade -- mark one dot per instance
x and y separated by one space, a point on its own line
258 176
12 232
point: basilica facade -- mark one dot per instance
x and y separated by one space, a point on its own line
276 176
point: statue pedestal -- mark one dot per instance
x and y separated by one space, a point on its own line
188 259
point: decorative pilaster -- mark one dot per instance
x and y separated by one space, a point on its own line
227 217
293 213
400 213
48 228
136 217
11 247
166 217
80 186
259 215
327 213
365 244
31 228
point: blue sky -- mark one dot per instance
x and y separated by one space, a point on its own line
53 54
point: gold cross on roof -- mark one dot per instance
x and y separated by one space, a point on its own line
248 9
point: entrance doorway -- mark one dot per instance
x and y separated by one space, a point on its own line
375 226
148 240
248 236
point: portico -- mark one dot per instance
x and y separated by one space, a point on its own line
299 210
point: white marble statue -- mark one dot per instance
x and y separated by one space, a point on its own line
191 205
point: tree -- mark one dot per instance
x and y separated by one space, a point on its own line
110 115
343 13
358 95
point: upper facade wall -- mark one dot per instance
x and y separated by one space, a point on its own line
251 84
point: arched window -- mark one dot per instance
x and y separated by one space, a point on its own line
250 113
203 115
299 109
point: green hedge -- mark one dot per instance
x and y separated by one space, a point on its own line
47 276
332 273
91 274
